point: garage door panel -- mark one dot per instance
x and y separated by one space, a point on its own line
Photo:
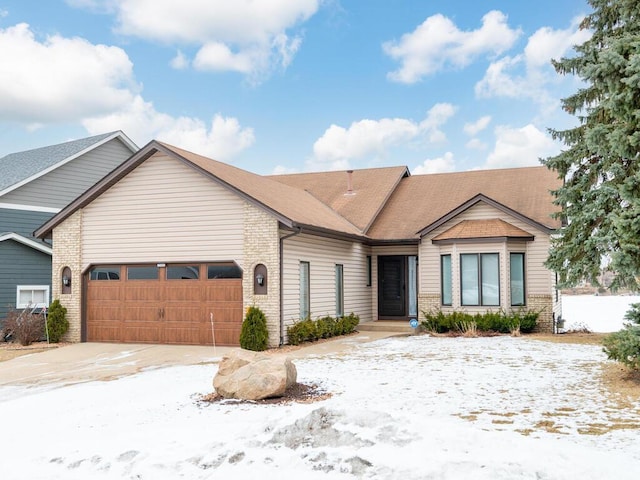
173 311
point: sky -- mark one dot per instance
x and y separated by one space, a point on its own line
281 86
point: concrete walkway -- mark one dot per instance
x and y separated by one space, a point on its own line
84 362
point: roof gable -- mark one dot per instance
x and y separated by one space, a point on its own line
423 202
357 195
18 169
35 244
492 228
293 207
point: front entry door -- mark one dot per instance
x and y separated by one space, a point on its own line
392 300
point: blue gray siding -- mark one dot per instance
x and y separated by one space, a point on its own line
62 185
20 265
22 222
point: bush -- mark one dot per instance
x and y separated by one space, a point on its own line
57 323
254 334
311 330
624 346
437 321
24 326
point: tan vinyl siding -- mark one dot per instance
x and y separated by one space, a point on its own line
60 186
538 279
163 211
323 254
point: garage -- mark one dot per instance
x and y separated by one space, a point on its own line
181 303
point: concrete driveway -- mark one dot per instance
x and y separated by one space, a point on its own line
84 362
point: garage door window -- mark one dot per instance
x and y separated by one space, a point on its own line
105 273
142 273
183 272
223 270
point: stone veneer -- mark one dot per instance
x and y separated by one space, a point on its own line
67 252
544 305
262 245
426 302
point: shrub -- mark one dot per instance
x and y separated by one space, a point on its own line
311 330
24 326
624 346
57 323
254 334
436 321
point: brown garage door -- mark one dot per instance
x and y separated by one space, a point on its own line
172 303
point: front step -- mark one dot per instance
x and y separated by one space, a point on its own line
396 326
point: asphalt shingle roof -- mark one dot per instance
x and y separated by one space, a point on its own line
16 167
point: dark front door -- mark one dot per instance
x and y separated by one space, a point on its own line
392 286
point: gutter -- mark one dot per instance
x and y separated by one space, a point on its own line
281 266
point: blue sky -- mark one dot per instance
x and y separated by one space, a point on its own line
277 86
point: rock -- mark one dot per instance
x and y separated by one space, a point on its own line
250 375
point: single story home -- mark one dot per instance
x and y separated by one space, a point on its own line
172 247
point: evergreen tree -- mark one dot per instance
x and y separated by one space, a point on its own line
600 197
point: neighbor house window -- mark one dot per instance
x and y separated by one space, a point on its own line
480 279
305 301
445 280
339 291
32 296
516 278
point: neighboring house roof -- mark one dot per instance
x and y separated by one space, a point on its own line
421 200
36 244
386 205
475 229
17 169
369 190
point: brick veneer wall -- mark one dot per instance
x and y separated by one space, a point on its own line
67 252
544 305
261 246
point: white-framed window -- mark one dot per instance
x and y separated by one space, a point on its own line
339 291
32 296
305 297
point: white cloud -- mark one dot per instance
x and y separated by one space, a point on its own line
222 139
180 61
520 147
473 128
546 44
243 35
3 13
282 170
442 164
529 74
438 43
476 144
339 145
60 79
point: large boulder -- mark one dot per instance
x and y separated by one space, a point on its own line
248 375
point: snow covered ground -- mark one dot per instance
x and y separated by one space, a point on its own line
602 313
401 408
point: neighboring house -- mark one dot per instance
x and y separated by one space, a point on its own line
34 186
172 247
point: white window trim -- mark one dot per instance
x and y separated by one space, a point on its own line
19 288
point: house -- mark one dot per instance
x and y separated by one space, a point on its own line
34 186
172 247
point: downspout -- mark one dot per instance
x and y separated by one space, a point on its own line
281 260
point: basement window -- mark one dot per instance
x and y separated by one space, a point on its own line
32 296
